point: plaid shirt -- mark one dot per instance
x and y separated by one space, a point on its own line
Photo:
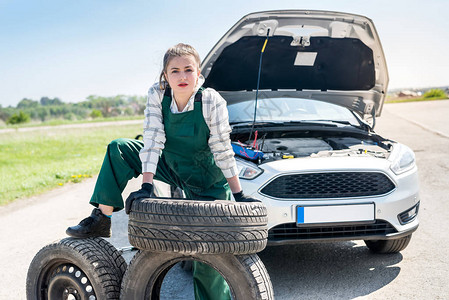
215 114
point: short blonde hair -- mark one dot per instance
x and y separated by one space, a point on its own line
176 51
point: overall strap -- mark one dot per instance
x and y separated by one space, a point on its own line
166 100
167 92
199 95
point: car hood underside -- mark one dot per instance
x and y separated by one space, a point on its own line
335 57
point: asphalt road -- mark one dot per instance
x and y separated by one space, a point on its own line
344 270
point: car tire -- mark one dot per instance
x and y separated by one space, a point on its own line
78 268
187 226
388 246
246 275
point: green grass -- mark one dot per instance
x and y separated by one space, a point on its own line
36 161
55 122
415 99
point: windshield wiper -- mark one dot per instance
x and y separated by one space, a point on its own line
308 122
259 123
336 121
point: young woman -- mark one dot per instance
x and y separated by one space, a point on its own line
186 144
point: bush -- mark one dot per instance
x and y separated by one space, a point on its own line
435 94
70 116
128 111
96 114
18 118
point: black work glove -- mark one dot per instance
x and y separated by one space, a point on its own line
145 192
240 197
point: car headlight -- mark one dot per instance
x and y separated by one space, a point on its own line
402 159
247 170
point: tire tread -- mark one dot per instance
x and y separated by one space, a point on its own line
187 226
100 256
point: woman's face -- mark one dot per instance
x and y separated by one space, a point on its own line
182 75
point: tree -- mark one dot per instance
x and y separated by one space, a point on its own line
27 103
45 101
5 114
43 113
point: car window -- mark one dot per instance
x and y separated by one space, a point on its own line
289 109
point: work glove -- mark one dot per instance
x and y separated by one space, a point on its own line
145 192
240 197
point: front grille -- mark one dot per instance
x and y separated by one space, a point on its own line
290 231
329 185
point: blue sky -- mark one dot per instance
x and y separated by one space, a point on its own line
72 49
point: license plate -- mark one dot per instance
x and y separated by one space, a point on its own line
335 214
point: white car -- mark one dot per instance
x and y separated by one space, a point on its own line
303 91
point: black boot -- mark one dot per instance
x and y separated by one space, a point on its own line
97 224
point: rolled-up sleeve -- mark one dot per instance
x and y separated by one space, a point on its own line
216 116
153 131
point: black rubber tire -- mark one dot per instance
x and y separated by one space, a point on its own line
388 246
246 275
186 226
88 268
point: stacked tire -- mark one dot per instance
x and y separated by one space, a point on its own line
86 269
225 235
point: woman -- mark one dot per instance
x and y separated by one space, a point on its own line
186 144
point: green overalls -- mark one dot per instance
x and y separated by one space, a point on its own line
186 162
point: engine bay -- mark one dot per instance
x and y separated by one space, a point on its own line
271 147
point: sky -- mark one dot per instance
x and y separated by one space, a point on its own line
72 49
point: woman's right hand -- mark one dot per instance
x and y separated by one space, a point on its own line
146 191
240 197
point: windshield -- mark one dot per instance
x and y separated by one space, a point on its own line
289 109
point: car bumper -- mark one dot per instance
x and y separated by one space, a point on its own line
332 234
387 224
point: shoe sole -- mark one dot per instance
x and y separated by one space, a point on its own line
88 235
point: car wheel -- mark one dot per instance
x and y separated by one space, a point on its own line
246 275
86 269
389 246
188 226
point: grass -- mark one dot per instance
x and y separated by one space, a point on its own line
36 161
55 122
414 99
429 95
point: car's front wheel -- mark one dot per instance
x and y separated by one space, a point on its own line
389 246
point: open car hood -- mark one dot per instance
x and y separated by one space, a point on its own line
328 56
